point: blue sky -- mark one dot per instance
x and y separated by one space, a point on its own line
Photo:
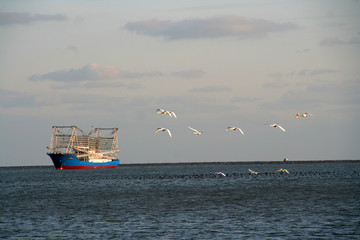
214 63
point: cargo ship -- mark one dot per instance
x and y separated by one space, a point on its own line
72 148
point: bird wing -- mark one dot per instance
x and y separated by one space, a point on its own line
159 129
281 128
277 171
193 129
241 131
286 171
172 113
159 111
169 132
221 173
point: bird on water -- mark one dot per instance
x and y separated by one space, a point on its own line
253 172
221 173
282 170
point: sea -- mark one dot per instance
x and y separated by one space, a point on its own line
316 200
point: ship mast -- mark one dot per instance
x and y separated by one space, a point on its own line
99 143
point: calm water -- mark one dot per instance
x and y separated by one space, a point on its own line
316 201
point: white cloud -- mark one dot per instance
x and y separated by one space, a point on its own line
208 28
7 18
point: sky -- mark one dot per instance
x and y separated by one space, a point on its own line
216 64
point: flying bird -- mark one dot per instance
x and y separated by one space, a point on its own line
164 112
282 170
302 115
196 132
164 130
277 126
221 173
234 128
253 172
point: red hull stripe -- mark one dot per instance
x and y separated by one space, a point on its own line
84 167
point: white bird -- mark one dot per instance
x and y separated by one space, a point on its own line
277 126
253 172
164 112
302 115
196 132
163 129
221 173
282 170
234 128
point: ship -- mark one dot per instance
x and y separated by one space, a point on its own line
72 148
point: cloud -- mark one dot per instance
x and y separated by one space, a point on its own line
228 26
189 74
7 18
337 41
90 72
210 89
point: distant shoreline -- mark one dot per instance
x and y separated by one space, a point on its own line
208 163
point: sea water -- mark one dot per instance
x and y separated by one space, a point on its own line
317 200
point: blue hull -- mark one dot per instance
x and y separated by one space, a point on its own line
70 161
